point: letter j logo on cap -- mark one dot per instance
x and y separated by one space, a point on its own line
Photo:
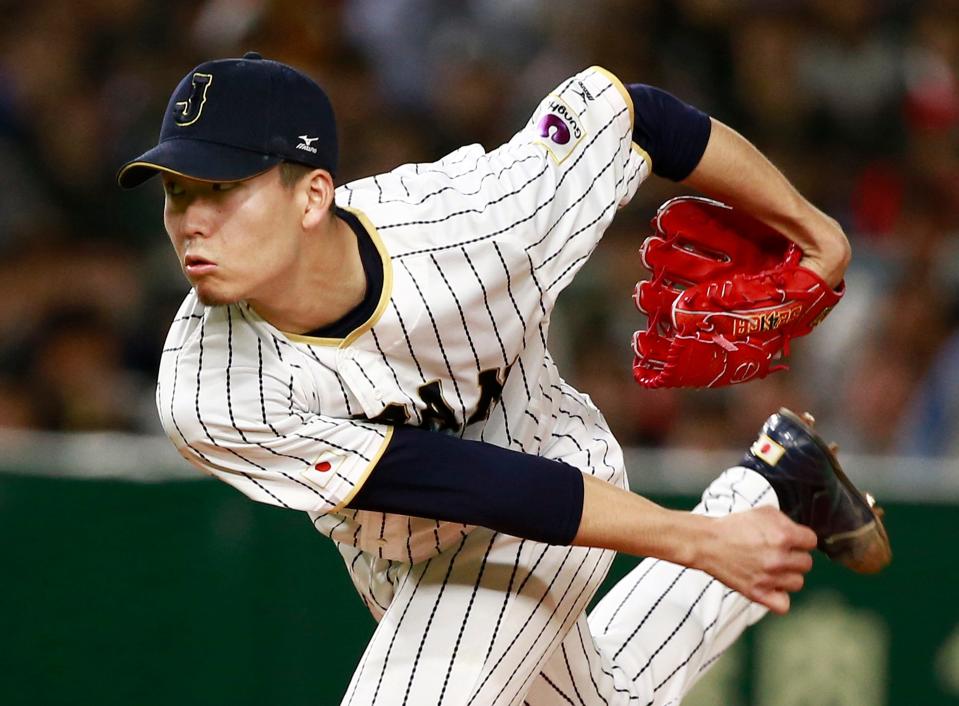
188 111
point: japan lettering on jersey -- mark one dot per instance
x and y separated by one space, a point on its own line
475 249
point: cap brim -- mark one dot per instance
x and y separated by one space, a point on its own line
195 159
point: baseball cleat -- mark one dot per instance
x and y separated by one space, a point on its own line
814 491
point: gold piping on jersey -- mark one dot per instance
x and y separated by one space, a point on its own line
361 481
644 154
384 295
618 85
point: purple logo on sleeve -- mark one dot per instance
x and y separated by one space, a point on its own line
555 128
559 129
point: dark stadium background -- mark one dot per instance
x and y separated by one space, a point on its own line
124 578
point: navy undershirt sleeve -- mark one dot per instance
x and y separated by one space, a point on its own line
442 477
673 133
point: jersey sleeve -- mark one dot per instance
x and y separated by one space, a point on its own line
543 199
241 413
590 120
581 165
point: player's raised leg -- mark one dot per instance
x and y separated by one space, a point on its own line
649 639
663 625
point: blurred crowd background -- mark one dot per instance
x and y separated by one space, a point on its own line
857 101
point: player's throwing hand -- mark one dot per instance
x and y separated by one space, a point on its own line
762 554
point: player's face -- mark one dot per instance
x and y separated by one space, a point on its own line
234 240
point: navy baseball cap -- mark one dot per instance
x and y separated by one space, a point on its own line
231 119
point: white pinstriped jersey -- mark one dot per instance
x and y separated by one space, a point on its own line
475 249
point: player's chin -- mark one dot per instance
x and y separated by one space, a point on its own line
211 295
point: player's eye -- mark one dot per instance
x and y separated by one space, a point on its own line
173 188
223 187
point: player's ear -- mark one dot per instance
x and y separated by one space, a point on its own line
319 191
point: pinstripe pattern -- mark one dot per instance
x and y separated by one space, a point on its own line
475 248
661 627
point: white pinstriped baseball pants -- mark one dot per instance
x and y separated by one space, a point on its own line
496 620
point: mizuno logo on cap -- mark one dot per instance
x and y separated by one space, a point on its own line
307 143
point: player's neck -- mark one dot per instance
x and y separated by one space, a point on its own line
327 283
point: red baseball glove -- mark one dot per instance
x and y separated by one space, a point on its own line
726 296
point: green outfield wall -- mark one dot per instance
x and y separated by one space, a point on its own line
184 592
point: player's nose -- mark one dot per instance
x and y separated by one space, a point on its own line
197 220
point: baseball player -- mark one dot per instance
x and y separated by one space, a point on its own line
375 355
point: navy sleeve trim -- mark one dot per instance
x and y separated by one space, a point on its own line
441 477
673 133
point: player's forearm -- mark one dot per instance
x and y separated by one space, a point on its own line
618 519
734 171
443 477
446 478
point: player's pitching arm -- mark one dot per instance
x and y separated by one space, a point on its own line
304 461
761 553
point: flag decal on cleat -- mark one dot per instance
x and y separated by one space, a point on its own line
767 449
